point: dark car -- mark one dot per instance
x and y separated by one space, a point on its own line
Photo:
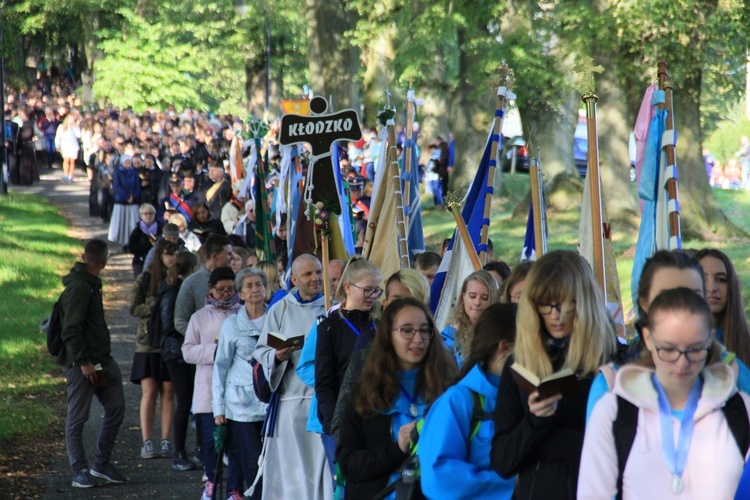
522 155
580 154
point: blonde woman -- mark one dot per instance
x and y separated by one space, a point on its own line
478 291
562 322
271 270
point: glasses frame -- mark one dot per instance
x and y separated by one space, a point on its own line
680 353
223 290
409 337
546 309
377 292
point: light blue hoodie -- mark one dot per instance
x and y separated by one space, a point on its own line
452 467
306 373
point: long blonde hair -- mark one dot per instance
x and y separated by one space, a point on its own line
356 269
563 277
272 273
460 320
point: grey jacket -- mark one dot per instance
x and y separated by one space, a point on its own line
191 298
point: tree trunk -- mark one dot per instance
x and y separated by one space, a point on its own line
701 215
334 62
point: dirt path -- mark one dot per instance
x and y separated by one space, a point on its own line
146 478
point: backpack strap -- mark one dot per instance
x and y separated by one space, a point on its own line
736 414
623 430
478 414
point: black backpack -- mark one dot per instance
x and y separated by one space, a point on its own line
625 426
52 327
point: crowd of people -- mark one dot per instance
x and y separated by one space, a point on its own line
735 173
367 398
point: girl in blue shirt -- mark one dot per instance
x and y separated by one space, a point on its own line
454 449
408 368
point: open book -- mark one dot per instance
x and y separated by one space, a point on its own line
280 341
563 382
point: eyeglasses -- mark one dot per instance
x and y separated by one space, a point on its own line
224 290
408 332
148 213
546 309
672 354
369 292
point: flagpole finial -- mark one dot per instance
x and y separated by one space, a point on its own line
389 111
584 69
453 201
505 76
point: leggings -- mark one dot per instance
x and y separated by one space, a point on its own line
183 378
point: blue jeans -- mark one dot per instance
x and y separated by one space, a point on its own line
437 192
49 148
206 427
370 170
244 448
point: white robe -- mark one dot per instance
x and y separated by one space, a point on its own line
295 464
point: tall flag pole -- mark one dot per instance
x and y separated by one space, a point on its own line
408 148
536 225
660 219
593 175
456 264
504 96
412 201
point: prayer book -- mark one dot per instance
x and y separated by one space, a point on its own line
280 341
563 382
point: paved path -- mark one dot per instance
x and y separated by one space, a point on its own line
146 478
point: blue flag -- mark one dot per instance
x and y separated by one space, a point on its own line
456 265
529 244
415 235
345 221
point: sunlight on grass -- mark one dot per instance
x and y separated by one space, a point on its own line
35 252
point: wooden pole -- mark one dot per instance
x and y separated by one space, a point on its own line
503 96
326 269
392 161
594 177
455 207
665 84
537 206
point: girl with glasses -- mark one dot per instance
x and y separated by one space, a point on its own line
199 349
683 443
562 322
408 368
478 291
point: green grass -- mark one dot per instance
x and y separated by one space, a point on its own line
35 251
507 234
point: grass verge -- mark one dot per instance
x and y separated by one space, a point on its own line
35 251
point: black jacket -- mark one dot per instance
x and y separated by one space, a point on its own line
139 245
167 299
84 331
334 346
544 452
367 453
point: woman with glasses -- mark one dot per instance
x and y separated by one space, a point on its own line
407 369
199 349
683 443
454 445
143 237
562 323
478 291
149 370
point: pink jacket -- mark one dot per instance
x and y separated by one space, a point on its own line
199 349
714 465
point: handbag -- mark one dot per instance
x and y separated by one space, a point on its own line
171 348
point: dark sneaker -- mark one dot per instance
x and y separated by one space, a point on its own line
108 472
182 462
165 450
83 479
148 451
197 458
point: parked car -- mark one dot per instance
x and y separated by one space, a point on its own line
522 154
581 154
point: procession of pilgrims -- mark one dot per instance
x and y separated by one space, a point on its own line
301 313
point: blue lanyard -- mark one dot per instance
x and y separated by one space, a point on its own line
677 457
354 328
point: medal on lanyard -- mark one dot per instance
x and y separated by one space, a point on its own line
413 410
676 457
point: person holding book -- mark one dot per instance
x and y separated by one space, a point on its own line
407 369
562 323
294 464
234 402
683 441
199 349
455 442
478 291
143 238
358 291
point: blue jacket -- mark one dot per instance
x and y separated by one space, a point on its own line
451 468
449 337
306 373
127 183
